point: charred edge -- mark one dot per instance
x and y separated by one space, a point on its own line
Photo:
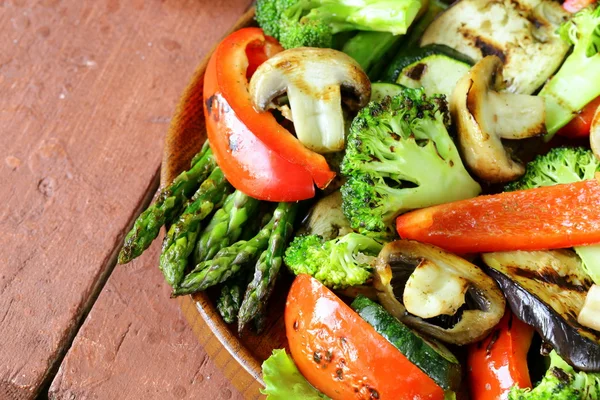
548 275
489 49
209 104
416 72
493 340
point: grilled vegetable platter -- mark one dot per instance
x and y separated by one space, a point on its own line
424 174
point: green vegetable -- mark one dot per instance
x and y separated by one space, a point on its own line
431 356
283 381
411 42
381 90
369 48
226 225
564 165
181 237
267 268
337 263
312 23
167 206
230 298
400 157
227 262
577 82
436 74
561 382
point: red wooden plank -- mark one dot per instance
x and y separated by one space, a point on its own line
86 91
136 344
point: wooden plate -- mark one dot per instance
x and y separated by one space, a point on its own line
186 135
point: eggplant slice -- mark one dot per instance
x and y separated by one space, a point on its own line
517 31
482 304
547 290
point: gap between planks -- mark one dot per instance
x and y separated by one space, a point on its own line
110 265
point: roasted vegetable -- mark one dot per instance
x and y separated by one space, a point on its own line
516 31
256 153
561 382
499 362
168 205
400 157
467 302
300 23
266 270
313 80
564 165
588 316
581 124
547 289
337 263
225 226
326 218
180 240
342 355
431 356
595 134
485 116
577 82
551 217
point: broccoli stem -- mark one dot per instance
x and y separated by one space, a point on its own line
577 82
367 48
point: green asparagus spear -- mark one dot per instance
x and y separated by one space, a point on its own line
169 202
227 262
230 299
260 321
268 265
181 238
225 226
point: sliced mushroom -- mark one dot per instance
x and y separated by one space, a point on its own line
485 116
327 219
588 316
595 134
459 296
316 81
517 31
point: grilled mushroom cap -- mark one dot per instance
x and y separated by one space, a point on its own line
456 284
484 116
316 81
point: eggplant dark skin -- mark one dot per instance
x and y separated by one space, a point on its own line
576 344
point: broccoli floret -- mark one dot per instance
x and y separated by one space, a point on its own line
561 382
577 82
312 23
564 165
337 263
400 157
560 165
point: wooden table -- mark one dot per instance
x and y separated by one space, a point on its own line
86 92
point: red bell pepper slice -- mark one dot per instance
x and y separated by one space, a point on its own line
248 164
550 217
229 77
579 127
499 362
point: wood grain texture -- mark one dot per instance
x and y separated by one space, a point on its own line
136 344
87 90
